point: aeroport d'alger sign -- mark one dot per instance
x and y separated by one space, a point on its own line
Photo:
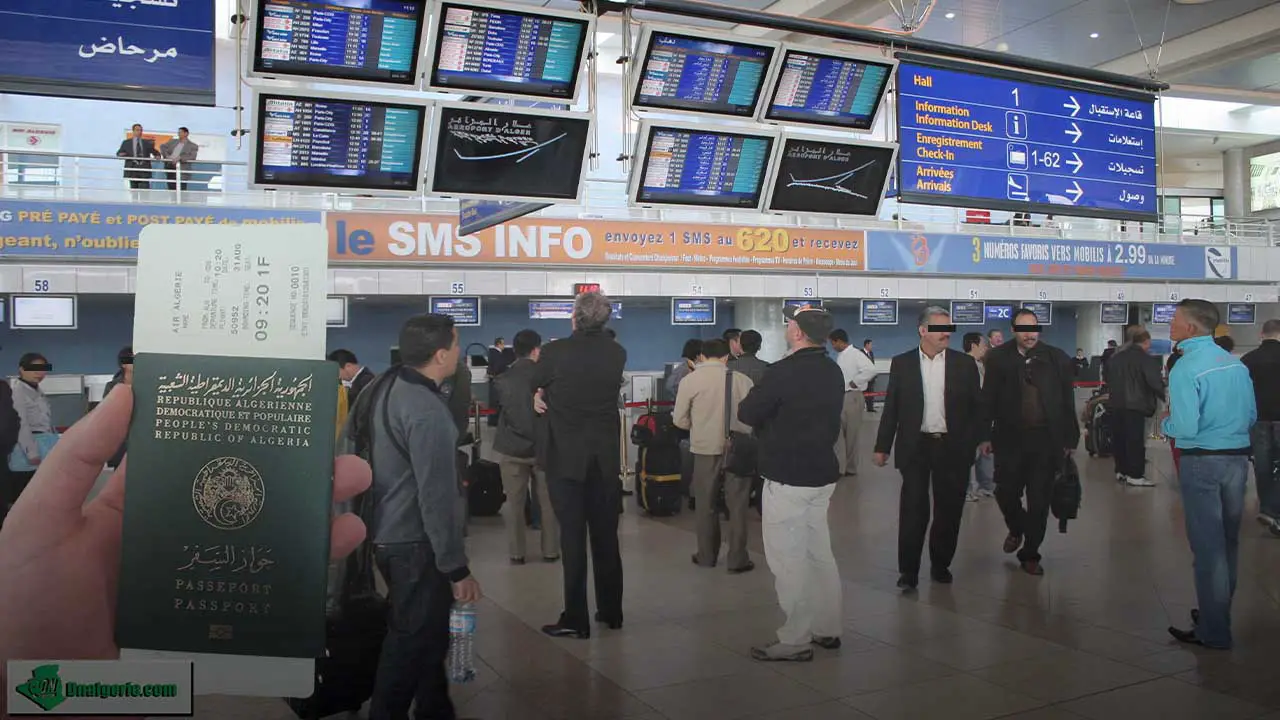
101 231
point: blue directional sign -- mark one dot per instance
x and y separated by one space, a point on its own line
981 137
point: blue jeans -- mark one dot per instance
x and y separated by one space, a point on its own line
1266 452
1213 489
984 473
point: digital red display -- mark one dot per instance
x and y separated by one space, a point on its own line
580 288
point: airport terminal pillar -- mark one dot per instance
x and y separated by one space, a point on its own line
764 315
1235 183
1091 334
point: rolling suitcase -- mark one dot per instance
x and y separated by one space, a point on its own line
659 491
1099 436
484 482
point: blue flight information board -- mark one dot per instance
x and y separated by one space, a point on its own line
707 168
820 89
159 51
693 311
330 143
1162 313
366 40
563 310
968 312
482 49
464 309
1242 313
999 313
879 312
694 74
1043 311
984 138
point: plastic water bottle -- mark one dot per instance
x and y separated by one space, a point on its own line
462 631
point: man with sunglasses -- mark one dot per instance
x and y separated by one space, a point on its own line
1030 399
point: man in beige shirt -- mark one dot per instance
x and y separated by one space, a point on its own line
700 406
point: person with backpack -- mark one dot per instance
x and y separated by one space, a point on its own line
405 426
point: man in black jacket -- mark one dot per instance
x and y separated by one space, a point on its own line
932 408
1264 367
795 411
516 443
1133 377
577 381
351 372
1030 398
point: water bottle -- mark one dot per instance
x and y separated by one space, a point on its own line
462 630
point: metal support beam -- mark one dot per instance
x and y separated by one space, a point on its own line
839 31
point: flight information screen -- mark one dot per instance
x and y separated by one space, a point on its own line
367 40
831 90
709 168
687 72
480 49
830 177
329 143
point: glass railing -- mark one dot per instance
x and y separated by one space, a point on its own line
100 178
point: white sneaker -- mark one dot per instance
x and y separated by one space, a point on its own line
985 493
1139 482
1120 478
971 496
1266 519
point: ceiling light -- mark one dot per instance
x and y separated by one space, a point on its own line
950 16
1093 35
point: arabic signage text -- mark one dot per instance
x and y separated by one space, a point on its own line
390 237
146 50
951 254
68 229
983 138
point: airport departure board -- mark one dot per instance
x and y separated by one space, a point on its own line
830 177
707 168
693 73
480 48
819 89
369 40
338 143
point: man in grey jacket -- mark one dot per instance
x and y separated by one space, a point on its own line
418 529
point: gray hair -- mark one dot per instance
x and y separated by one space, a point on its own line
1202 313
1271 328
931 312
591 311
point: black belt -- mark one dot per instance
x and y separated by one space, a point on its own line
933 436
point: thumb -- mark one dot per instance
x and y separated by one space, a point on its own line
64 479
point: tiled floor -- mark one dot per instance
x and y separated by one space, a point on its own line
1087 640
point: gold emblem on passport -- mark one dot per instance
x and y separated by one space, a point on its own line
228 493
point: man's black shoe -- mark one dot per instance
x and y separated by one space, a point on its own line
942 575
826 643
611 624
560 631
744 569
1185 636
908 583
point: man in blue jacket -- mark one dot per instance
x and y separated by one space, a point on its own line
1211 408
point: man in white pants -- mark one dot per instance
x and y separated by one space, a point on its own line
858 371
795 411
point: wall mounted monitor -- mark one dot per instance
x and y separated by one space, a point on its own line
999 313
686 165
1114 313
1043 311
497 49
43 312
839 90
1162 313
800 302
465 310
486 152
338 142
335 311
968 312
821 176
693 311
346 41
879 312
557 309
1242 314
700 72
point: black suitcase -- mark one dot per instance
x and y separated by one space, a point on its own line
484 481
1099 441
659 492
345 675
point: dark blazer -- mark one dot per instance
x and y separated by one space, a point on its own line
137 166
517 422
358 384
1053 376
581 375
795 411
904 407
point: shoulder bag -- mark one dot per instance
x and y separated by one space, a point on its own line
740 449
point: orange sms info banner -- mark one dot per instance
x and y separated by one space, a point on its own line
420 238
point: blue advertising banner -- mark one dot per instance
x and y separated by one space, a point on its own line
978 137
477 215
102 230
146 50
951 254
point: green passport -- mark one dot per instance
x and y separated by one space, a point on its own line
228 506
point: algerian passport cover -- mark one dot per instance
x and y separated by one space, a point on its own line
228 506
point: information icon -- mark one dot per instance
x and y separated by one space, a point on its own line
1015 125
1018 154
